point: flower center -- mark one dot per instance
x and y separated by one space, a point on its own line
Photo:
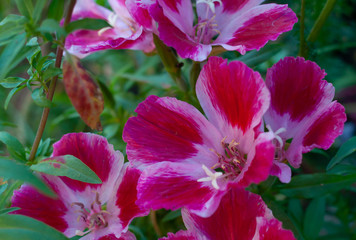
278 142
94 217
112 18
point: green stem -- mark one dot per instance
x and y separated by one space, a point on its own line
302 47
329 5
194 74
52 87
154 222
170 62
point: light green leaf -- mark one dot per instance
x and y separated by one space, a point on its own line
345 150
316 185
11 94
7 210
10 27
15 227
38 10
39 97
25 7
52 26
68 166
11 82
13 145
17 171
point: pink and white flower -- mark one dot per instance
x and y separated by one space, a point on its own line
188 161
130 28
240 25
241 215
98 211
302 109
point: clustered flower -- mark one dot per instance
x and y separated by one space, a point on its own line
178 157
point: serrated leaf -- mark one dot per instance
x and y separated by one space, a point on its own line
13 146
86 23
10 27
17 171
316 185
7 210
314 218
83 92
11 82
345 150
68 166
14 227
11 94
39 97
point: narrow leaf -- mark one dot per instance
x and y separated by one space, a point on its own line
38 10
10 27
13 145
314 218
13 170
14 227
345 150
55 9
11 82
68 166
11 94
83 92
87 23
7 210
316 185
39 97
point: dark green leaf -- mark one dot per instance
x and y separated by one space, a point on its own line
9 54
38 10
10 27
55 9
11 94
17 171
44 147
68 166
15 227
87 23
50 73
7 194
52 26
345 150
11 82
342 169
171 215
7 210
316 185
14 147
25 7
39 97
314 218
108 97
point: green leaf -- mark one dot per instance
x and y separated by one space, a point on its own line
17 171
51 72
10 27
11 94
39 97
15 227
38 10
25 7
9 54
316 185
68 166
11 82
86 23
342 169
7 194
7 210
345 150
314 218
55 9
171 215
52 26
13 145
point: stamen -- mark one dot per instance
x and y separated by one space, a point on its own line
212 176
275 134
101 31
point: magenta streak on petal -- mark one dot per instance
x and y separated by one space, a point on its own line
182 235
92 149
297 87
36 205
172 4
126 197
258 30
326 127
271 229
234 5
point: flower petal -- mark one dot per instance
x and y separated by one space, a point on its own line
179 38
126 197
271 229
174 185
235 218
233 96
98 155
282 171
183 235
167 129
36 205
314 122
253 28
140 13
89 9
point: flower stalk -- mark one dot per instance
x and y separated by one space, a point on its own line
52 87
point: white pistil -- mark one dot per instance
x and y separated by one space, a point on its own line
211 4
275 134
212 176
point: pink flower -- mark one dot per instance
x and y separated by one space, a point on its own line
126 31
241 215
101 211
188 161
301 109
235 25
